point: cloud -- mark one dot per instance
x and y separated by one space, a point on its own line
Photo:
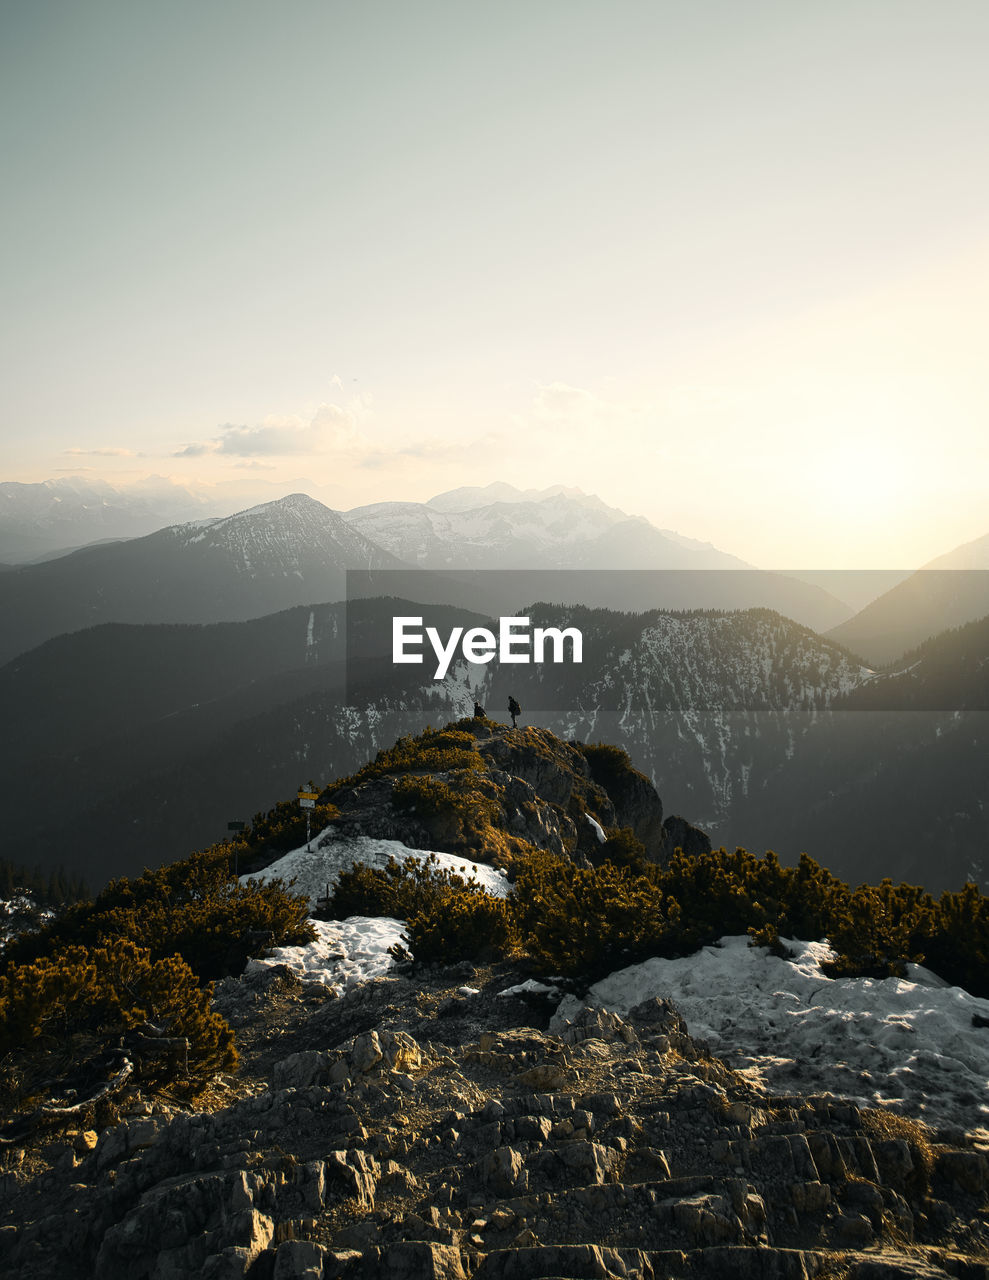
102 453
584 415
330 430
557 402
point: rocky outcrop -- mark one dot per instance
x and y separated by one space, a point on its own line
518 812
423 1126
679 834
535 789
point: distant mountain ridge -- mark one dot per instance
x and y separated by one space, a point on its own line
923 605
271 557
191 723
74 511
155 736
549 529
296 550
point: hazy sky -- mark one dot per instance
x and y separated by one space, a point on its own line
724 263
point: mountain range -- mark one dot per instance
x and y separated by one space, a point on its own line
39 520
261 560
948 592
156 688
297 551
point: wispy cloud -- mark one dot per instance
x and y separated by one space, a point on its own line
558 402
330 429
102 453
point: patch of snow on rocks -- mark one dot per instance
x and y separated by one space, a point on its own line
598 829
910 1045
318 864
344 954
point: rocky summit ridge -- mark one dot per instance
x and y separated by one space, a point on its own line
525 787
440 1123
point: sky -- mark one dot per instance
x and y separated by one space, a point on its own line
726 265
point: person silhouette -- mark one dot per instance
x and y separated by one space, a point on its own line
478 711
513 709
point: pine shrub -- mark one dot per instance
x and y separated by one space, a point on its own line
433 751
955 939
460 925
584 922
873 933
86 1000
624 849
195 907
399 890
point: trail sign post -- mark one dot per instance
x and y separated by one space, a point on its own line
307 801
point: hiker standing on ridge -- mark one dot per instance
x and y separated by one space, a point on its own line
513 709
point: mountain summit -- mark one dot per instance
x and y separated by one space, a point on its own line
274 556
501 527
404 1085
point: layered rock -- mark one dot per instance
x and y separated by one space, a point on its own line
421 1127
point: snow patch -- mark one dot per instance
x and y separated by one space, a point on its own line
344 954
907 1044
319 863
598 829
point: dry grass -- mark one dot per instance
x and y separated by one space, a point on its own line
882 1125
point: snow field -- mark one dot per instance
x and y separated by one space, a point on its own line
907 1044
319 863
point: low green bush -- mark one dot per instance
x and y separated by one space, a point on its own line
433 751
448 917
460 925
593 920
954 938
624 849
276 832
608 764
195 907
398 890
874 932
74 1005
585 922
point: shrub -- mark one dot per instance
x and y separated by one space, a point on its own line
767 935
433 751
399 890
428 797
955 939
872 935
276 832
460 925
195 907
86 1000
448 916
584 922
624 849
608 764
366 891
456 813
882 1125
